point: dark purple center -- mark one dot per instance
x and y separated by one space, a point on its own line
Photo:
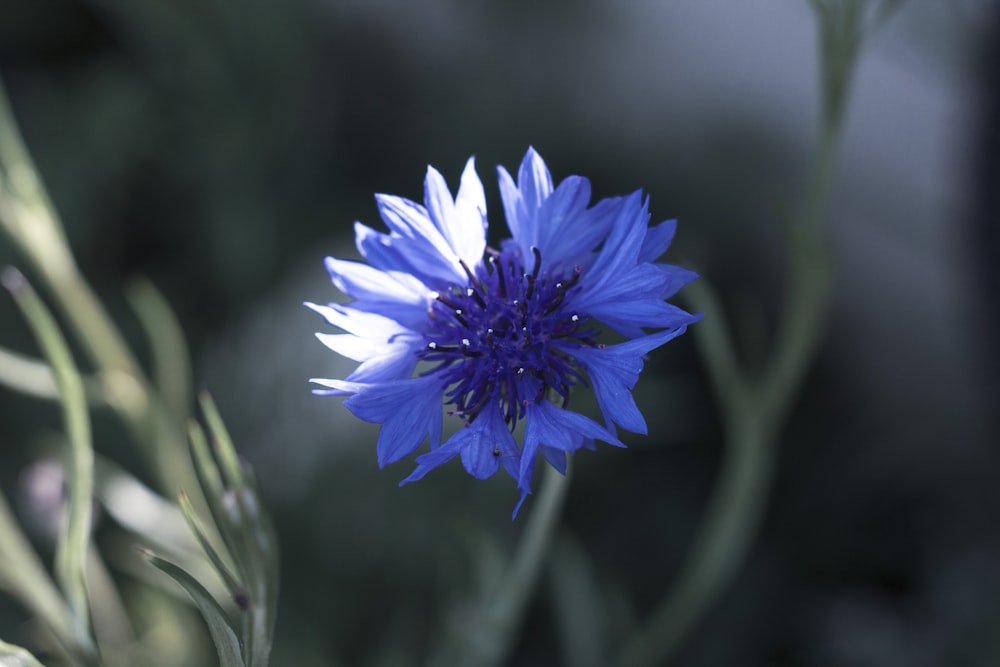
492 337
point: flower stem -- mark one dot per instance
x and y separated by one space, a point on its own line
74 539
491 639
755 410
29 219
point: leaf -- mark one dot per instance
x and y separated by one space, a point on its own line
219 563
74 537
226 642
15 656
171 360
246 529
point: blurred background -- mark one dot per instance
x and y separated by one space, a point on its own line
223 148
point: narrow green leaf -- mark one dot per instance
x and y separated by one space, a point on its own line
171 360
223 447
218 561
246 529
23 576
34 377
218 498
208 472
71 545
227 643
15 656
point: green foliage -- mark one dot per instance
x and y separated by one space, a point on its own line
15 656
248 542
155 413
226 642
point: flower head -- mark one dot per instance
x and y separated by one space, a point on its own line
501 336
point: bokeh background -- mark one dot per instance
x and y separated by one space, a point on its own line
224 148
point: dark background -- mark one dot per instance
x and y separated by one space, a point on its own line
223 149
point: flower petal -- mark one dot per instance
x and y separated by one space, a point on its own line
620 252
412 223
408 411
522 201
394 294
549 426
679 277
385 348
462 222
483 445
657 240
392 252
613 372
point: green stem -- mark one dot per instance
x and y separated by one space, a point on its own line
74 540
491 639
24 577
29 219
754 412
724 537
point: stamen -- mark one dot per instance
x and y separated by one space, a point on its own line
475 295
500 276
492 332
471 275
445 301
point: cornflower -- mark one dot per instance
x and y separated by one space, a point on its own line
501 336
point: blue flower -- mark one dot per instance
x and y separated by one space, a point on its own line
501 336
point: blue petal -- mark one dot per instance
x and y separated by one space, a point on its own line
412 222
392 252
557 222
385 349
552 219
462 221
489 445
575 239
613 372
631 300
483 444
657 240
408 410
394 294
555 457
379 363
679 277
628 317
556 428
522 201
620 251
534 180
360 323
